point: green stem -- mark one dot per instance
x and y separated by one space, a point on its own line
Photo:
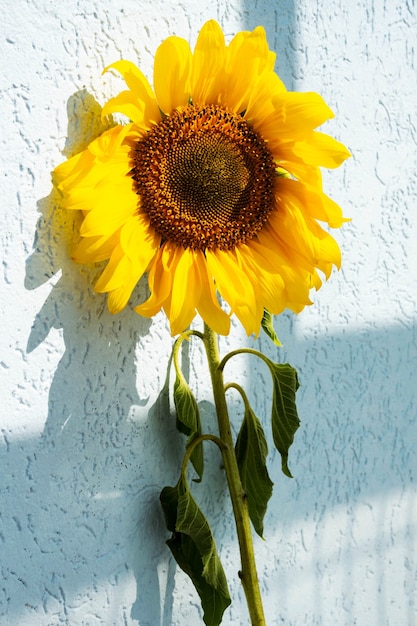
185 336
248 573
196 442
241 393
244 351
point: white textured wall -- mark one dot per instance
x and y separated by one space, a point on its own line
85 448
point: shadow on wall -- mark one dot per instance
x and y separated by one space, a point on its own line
91 483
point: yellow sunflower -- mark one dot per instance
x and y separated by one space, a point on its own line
213 187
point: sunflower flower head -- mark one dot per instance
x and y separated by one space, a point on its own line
212 188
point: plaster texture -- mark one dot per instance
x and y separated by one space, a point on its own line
85 443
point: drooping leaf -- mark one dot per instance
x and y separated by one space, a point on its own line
193 547
188 419
185 406
251 452
268 327
284 411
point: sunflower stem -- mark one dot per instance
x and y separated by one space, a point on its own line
248 574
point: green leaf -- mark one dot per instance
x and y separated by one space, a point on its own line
185 406
268 327
188 419
251 452
193 547
284 411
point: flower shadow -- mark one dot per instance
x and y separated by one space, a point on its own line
93 455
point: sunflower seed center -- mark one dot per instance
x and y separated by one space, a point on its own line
205 178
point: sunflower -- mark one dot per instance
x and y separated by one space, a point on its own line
212 188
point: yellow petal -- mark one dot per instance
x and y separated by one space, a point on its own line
117 272
142 246
309 174
171 80
260 103
95 249
110 142
294 230
128 262
314 202
208 64
143 97
296 233
247 58
119 297
274 296
208 305
73 167
266 254
88 168
251 47
185 290
250 313
317 149
321 149
160 284
139 241
88 197
294 115
272 286
316 281
109 215
272 258
236 287
127 104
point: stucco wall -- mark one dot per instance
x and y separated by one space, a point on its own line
86 447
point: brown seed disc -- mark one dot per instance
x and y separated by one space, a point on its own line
205 178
